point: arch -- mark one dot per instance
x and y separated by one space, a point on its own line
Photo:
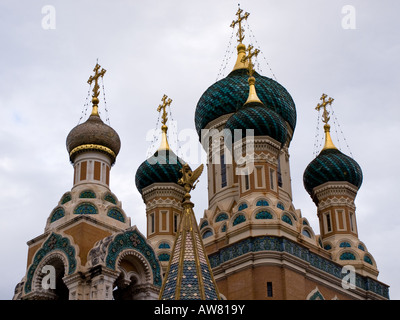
55 242
286 218
263 215
87 194
85 208
164 245
280 206
348 255
66 198
57 213
203 224
238 219
315 295
262 202
207 233
116 214
243 205
221 217
59 262
110 198
345 244
135 276
132 242
368 259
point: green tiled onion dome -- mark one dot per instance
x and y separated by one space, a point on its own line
229 94
331 165
264 121
93 134
163 166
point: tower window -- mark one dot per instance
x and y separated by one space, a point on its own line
175 223
272 179
269 289
223 171
351 221
152 223
280 183
328 222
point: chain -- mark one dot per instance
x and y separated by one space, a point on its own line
85 105
316 138
227 58
105 102
341 131
150 151
255 44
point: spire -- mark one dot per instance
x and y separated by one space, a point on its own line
241 48
252 90
189 275
325 118
96 91
162 107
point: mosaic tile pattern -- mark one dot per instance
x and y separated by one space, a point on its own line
332 165
189 275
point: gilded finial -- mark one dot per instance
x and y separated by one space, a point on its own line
240 32
96 91
252 90
241 48
189 178
162 107
325 119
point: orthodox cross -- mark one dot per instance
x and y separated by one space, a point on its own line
162 107
325 115
96 77
249 56
239 21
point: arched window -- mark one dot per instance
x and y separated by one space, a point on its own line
306 233
242 206
287 219
262 203
264 215
221 217
207 234
347 256
239 219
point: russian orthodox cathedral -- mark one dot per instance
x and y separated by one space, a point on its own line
251 243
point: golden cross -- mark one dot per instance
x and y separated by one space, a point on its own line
239 21
249 56
96 77
325 115
163 106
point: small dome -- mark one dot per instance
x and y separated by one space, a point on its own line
264 121
93 134
331 165
163 166
229 94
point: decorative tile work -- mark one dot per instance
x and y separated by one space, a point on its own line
133 240
108 197
116 214
239 219
262 203
204 224
85 208
331 165
228 94
345 244
163 257
278 244
53 243
347 256
280 206
221 217
87 194
242 206
287 219
264 215
57 214
66 198
164 245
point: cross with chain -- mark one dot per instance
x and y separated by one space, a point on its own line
239 21
325 115
163 107
96 77
249 56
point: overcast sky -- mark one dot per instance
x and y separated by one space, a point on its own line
154 47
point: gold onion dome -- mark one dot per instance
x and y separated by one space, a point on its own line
94 134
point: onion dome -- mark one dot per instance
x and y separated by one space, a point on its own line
331 164
94 134
164 165
229 94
